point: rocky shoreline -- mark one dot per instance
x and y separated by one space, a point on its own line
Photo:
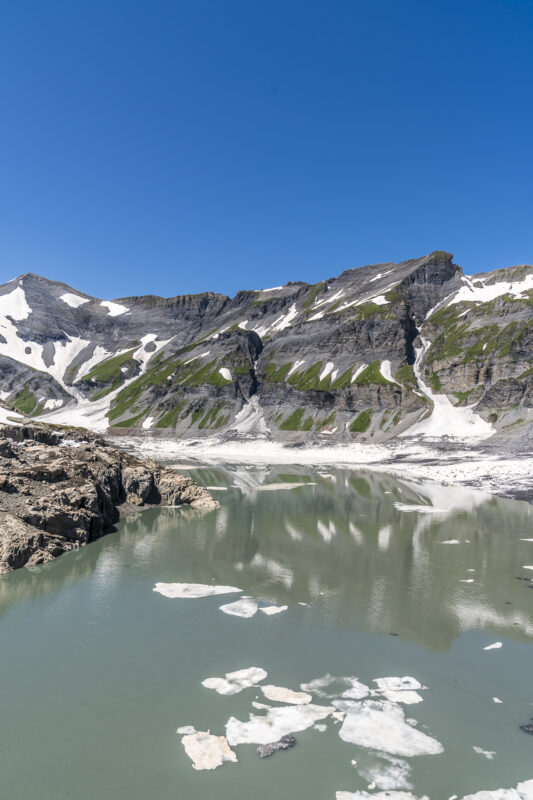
60 489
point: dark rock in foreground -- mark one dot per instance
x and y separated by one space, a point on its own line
62 489
284 743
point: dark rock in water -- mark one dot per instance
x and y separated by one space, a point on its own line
284 743
526 728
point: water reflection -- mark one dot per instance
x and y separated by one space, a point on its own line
358 545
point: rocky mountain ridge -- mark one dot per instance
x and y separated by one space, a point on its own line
415 348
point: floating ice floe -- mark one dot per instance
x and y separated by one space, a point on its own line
381 725
523 791
235 682
334 686
378 796
397 684
192 590
281 695
244 608
356 690
391 775
495 646
466 580
207 751
527 567
276 723
320 727
273 609
260 706
188 730
450 541
487 753
496 700
405 696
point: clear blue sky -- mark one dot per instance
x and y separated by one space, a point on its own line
172 147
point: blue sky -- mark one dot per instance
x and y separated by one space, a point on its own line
174 147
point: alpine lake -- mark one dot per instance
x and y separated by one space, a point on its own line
428 586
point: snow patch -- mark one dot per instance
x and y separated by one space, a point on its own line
295 367
226 374
73 300
53 403
445 419
285 320
14 304
327 369
115 309
482 293
250 419
386 371
357 372
380 275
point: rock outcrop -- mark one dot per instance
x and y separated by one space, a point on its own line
286 742
62 489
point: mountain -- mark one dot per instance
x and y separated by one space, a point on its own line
415 348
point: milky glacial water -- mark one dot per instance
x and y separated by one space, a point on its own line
98 670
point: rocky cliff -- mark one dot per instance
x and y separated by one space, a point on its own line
60 490
415 348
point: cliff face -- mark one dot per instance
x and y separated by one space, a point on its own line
376 352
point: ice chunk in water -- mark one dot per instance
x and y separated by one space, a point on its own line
235 682
207 751
276 723
381 725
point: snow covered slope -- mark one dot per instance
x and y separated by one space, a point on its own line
411 349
